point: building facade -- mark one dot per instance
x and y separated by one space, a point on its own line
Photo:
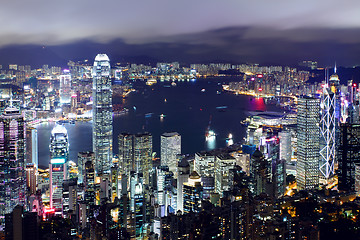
308 143
102 114
170 149
12 161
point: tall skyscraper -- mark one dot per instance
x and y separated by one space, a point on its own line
12 161
102 114
308 141
143 155
59 154
126 153
170 148
328 126
65 88
285 146
348 156
135 154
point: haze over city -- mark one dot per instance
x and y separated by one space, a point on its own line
280 32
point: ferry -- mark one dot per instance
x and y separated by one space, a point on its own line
173 84
210 135
148 115
222 108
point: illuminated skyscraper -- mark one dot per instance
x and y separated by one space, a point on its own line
135 154
170 148
348 156
102 114
12 161
59 152
143 155
65 88
308 141
328 126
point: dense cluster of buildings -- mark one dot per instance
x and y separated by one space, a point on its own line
296 175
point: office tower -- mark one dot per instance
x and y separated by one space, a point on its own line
285 146
242 160
126 153
65 88
348 155
192 192
260 172
170 148
89 183
278 172
59 154
328 126
223 164
308 134
84 157
183 175
139 210
357 179
31 156
204 163
143 155
31 146
12 161
102 114
69 197
31 178
114 179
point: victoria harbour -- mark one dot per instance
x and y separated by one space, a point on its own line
187 108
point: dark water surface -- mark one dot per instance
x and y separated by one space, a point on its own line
187 109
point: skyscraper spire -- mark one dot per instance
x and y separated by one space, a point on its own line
335 68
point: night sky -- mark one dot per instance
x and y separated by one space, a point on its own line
262 31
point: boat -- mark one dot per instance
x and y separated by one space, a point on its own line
229 140
173 84
209 134
151 82
72 121
222 108
203 90
148 115
162 116
165 100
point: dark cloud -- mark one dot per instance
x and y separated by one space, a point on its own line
279 31
237 45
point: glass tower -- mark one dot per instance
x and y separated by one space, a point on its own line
102 114
170 148
12 161
59 154
308 141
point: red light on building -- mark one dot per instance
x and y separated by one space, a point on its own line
354 84
260 75
49 210
260 89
